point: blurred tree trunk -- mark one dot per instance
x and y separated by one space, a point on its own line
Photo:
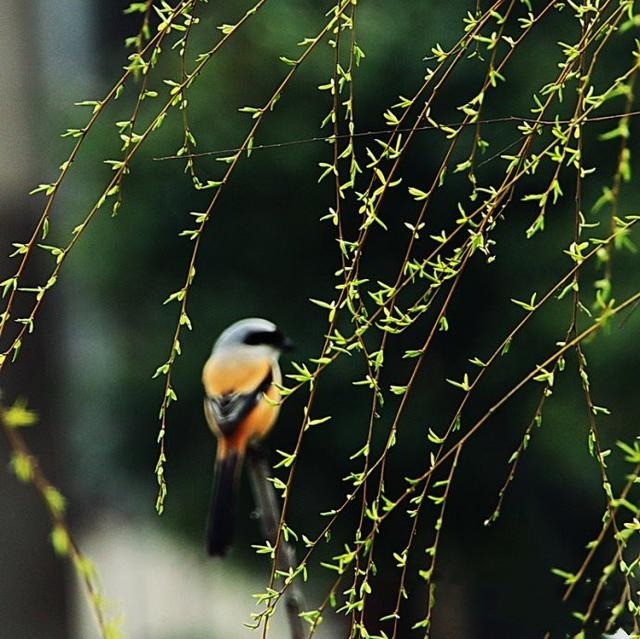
32 584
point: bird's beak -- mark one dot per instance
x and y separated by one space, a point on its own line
287 345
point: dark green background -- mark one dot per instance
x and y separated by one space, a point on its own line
265 253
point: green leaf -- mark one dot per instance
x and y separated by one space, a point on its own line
17 416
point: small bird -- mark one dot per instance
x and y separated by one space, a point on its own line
241 405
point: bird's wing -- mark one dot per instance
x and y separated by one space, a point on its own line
228 410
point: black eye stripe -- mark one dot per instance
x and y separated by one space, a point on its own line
270 338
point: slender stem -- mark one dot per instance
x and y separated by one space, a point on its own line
54 503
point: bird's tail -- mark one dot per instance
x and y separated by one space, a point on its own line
221 515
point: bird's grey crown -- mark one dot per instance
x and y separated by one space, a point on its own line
238 332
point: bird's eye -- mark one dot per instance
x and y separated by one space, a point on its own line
268 338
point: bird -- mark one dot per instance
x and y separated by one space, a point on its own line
241 404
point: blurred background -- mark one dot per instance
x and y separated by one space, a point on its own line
103 331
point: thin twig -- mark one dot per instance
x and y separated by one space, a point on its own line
55 505
427 127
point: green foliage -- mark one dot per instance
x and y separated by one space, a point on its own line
494 182
27 469
17 415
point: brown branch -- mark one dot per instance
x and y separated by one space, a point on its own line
269 516
54 504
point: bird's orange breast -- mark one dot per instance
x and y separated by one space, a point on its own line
222 375
233 375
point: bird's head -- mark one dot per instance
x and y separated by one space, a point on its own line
254 336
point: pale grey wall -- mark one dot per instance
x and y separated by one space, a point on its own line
33 581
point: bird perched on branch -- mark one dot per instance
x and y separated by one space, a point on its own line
241 405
